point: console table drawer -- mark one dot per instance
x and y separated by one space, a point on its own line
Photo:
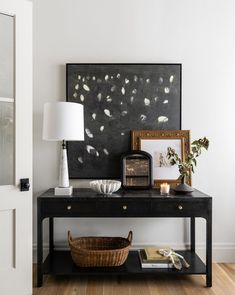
122 208
174 208
69 208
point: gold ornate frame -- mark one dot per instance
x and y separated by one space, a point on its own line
184 135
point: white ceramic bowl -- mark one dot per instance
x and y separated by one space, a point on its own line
105 186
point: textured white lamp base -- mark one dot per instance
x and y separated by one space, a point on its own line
63 191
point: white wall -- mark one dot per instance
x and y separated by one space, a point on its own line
200 34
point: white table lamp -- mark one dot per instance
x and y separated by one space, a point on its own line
63 121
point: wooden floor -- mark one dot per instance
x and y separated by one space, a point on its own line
223 284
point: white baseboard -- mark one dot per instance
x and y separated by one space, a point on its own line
221 252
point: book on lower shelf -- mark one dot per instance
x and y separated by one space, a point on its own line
152 253
163 262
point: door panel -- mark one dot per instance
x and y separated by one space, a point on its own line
7 95
7 243
15 146
7 56
6 141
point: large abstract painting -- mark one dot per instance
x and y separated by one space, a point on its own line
118 98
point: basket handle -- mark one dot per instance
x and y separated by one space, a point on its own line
130 236
70 239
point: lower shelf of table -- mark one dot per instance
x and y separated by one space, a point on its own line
60 263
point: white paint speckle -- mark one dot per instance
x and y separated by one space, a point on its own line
83 79
156 98
90 149
121 102
88 133
108 98
162 119
111 77
167 90
107 113
148 80
93 78
94 116
135 78
134 91
124 113
82 97
106 77
79 77
165 101
118 76
160 80
76 86
171 79
123 90
132 99
147 101
80 160
122 133
99 96
75 94
113 88
97 154
127 80
143 117
86 87
106 152
102 128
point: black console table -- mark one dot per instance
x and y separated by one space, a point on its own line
147 203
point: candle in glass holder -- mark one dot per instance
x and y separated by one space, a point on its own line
164 188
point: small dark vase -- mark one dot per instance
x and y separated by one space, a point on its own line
183 188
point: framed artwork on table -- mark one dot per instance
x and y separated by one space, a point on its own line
156 142
118 98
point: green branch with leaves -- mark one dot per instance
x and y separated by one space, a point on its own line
190 162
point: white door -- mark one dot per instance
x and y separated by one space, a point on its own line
15 147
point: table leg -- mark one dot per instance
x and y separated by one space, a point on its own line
39 250
51 235
209 251
192 233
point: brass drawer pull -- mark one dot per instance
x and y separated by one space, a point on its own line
180 207
124 207
69 207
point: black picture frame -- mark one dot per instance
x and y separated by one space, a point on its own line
156 93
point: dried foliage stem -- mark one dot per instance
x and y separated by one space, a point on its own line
190 162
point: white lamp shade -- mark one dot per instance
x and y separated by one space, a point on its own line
63 121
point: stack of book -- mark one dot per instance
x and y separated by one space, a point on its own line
151 258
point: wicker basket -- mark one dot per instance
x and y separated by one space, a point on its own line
99 251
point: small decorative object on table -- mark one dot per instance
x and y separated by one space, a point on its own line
158 261
136 170
178 260
106 187
164 189
187 165
154 257
99 251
